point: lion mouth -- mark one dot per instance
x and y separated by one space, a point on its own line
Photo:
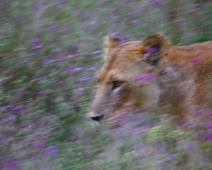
115 121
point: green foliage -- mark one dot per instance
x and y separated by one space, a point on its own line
202 37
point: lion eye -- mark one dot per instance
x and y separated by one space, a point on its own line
116 84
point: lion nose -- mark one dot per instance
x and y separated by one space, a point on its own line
97 118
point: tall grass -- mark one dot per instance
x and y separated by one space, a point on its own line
49 53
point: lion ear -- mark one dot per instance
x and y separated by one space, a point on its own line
153 48
110 41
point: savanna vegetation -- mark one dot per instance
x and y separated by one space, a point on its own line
49 53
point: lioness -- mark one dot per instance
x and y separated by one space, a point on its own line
120 88
183 75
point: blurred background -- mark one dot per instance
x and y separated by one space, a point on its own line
49 53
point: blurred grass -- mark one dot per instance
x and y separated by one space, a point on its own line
49 52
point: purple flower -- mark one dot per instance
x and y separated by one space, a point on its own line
88 155
47 58
194 60
127 105
199 111
10 117
148 50
134 22
92 68
39 93
78 42
179 20
150 76
8 107
208 126
96 52
65 30
77 69
160 148
157 2
34 41
171 155
24 62
144 6
61 3
51 150
189 123
53 27
132 13
122 118
60 56
199 5
189 146
142 146
36 8
68 69
146 77
10 163
84 79
39 144
207 136
30 55
182 121
38 47
137 110
17 108
139 117
79 89
115 34
209 114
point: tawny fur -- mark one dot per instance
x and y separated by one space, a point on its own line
183 74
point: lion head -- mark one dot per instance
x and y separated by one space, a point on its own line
124 82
